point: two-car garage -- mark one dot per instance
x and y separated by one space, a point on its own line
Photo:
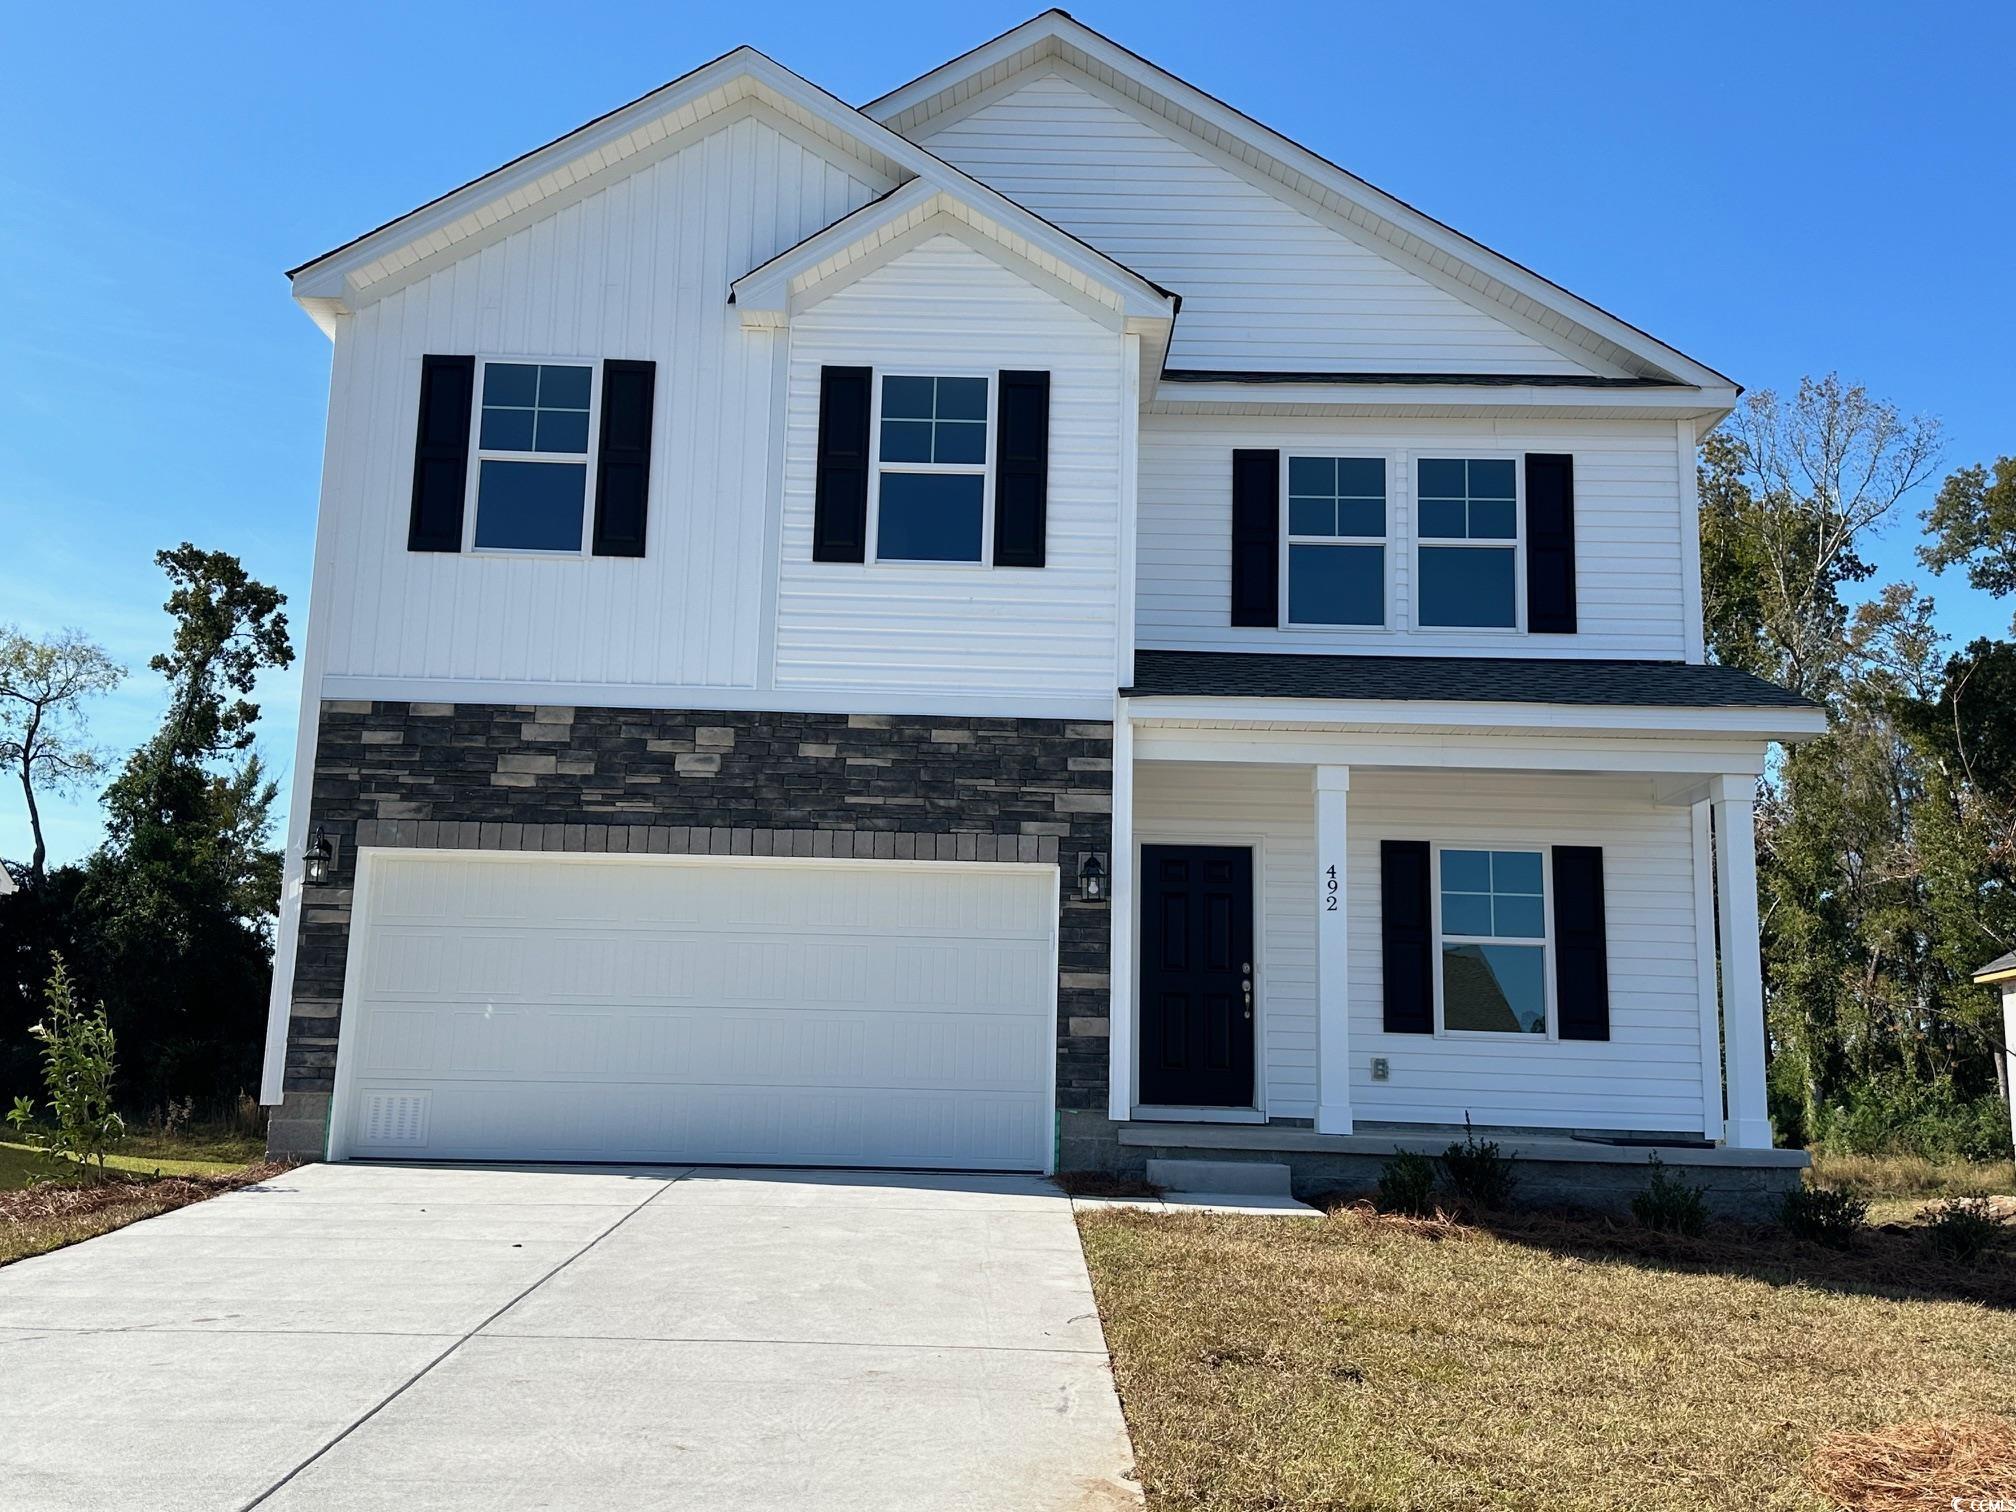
534 1007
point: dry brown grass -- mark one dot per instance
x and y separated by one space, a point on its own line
1916 1465
1899 1176
1369 1362
49 1215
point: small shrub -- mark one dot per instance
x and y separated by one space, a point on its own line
1963 1230
1478 1174
1824 1214
1670 1205
1406 1184
77 1066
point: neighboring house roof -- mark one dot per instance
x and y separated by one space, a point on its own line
2001 969
1457 679
567 168
1412 236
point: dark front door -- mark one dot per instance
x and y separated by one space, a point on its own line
1197 976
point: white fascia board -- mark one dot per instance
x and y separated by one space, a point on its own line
1450 715
1055 29
1676 403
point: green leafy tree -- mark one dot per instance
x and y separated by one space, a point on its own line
79 1056
1972 522
44 738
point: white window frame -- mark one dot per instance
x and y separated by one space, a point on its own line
478 455
1546 943
1385 541
985 470
1517 545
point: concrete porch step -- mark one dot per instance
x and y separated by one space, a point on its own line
1251 1177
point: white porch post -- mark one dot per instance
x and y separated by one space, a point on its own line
1333 959
1120 926
1734 801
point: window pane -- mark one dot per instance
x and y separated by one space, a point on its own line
1491 479
960 441
531 506
1313 475
1442 518
906 441
563 388
1442 478
1462 585
930 517
906 398
1493 519
1494 987
1515 871
962 398
507 430
563 431
1466 913
1361 517
1337 585
1312 517
1518 917
1364 477
510 383
1466 870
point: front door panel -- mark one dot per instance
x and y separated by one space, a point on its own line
1197 976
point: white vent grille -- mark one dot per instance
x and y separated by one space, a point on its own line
395 1118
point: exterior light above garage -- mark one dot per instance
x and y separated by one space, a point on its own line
318 859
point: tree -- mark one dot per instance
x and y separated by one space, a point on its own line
1973 521
43 735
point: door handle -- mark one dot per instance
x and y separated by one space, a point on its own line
1246 985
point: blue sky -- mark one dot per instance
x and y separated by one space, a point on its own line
1776 189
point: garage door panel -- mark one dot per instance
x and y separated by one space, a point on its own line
632 1009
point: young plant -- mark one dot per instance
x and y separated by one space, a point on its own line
1962 1230
1824 1214
1478 1174
1406 1184
1670 1205
77 1066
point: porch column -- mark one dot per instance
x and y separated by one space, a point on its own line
1734 801
1333 959
1120 1008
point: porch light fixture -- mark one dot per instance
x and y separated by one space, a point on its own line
318 859
1092 880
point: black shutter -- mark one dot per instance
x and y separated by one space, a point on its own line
840 498
1021 468
1581 956
441 453
1256 538
623 460
1407 936
1550 543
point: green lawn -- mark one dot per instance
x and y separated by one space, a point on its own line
142 1155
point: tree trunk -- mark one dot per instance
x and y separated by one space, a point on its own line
41 856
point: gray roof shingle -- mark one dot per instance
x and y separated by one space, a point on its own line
1462 679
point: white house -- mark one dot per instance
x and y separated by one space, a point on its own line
1027 624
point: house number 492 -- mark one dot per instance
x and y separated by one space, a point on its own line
1329 889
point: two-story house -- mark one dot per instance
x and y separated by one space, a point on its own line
1028 624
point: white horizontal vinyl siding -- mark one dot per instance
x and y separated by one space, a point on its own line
1264 284
639 269
944 307
1647 1076
1629 555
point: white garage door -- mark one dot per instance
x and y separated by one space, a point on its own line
790 1012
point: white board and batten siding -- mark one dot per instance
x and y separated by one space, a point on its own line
1266 285
637 269
945 308
1647 1076
1631 591
615 1008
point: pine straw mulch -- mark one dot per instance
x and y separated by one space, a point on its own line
51 1214
1912 1466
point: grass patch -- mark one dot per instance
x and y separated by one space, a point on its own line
1369 1361
46 1216
143 1154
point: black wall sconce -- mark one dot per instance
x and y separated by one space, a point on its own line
318 859
1091 880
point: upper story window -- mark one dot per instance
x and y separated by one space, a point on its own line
931 469
1336 541
532 447
1467 556
1494 942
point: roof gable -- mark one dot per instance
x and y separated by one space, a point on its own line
1613 347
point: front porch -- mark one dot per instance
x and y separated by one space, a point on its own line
1346 930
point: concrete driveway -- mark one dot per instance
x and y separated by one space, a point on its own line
424 1337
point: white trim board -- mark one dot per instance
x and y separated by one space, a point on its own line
784 700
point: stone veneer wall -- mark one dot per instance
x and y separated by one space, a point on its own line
682 782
